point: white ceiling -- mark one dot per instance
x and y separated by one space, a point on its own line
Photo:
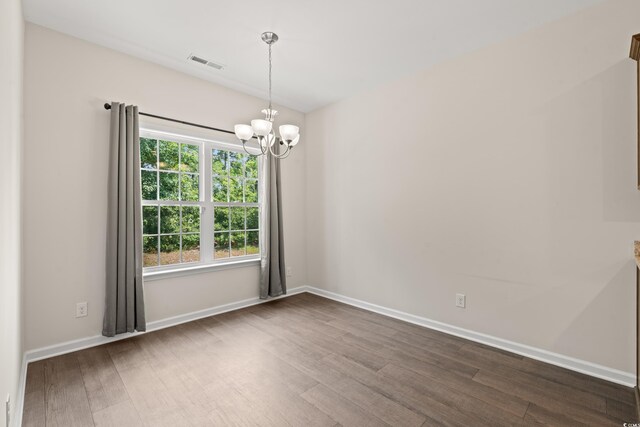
328 49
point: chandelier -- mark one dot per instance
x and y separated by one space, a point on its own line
262 129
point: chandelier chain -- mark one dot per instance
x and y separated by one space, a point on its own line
269 76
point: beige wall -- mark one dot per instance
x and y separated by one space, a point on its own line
65 178
11 51
507 175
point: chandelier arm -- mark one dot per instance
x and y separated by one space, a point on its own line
286 154
264 145
250 153
271 148
279 156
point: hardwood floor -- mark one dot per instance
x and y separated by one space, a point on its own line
309 361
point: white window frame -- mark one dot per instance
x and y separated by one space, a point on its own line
207 261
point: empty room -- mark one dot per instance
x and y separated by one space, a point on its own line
319 213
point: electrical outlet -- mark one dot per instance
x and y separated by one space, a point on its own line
289 272
461 300
81 309
7 407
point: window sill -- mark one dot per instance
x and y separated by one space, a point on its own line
151 276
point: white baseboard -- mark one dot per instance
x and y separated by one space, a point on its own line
599 371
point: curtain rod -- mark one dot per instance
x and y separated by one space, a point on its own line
107 106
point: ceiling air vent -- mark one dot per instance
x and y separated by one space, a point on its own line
205 62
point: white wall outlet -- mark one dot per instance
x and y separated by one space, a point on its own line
461 300
289 272
81 309
7 409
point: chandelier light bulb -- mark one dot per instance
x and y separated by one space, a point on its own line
289 132
261 127
243 132
295 141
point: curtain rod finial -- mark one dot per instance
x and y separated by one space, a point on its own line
107 106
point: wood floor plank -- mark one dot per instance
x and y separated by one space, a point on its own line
291 335
496 398
310 361
345 312
578 381
401 357
551 389
202 363
377 404
101 380
127 354
310 325
544 400
307 364
66 399
122 414
151 398
265 368
428 342
34 397
198 335
231 329
621 411
35 377
274 394
452 397
234 409
437 413
340 409
182 385
307 310
407 343
538 416
36 414
508 365
373 360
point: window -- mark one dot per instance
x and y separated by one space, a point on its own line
200 202
235 200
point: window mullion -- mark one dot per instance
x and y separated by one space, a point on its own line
228 168
180 201
158 193
207 218
244 200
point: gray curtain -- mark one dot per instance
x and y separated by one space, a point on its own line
124 305
273 278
